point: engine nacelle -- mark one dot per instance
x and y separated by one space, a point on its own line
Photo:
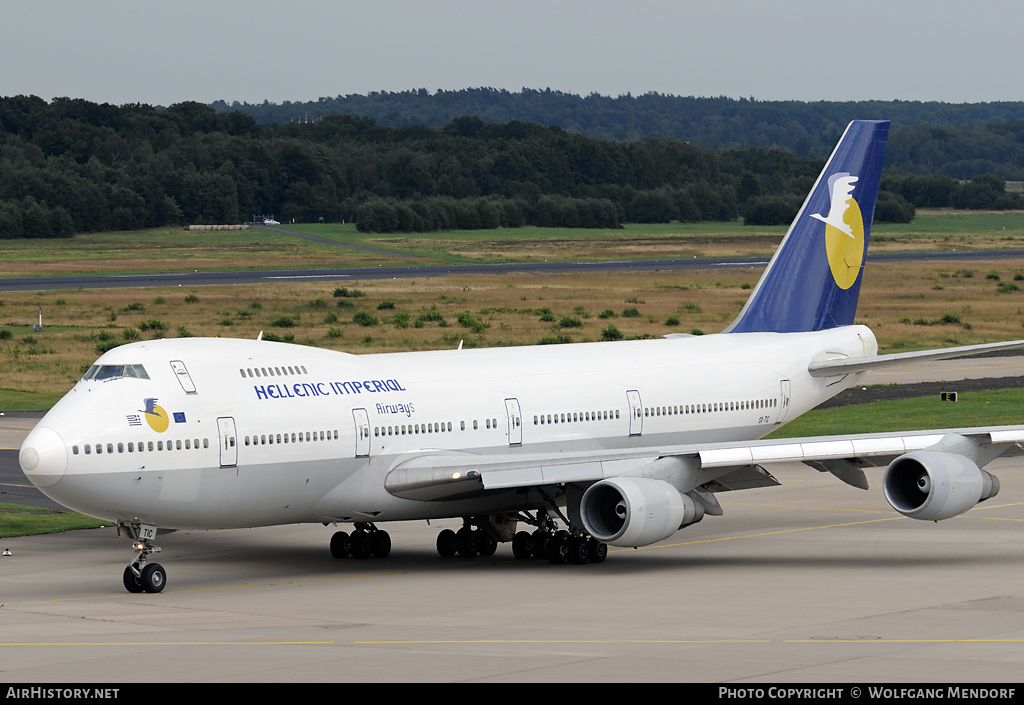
633 511
932 485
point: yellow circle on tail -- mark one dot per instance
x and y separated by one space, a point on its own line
846 253
158 420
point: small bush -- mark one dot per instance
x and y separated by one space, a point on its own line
365 319
671 321
191 299
607 313
630 313
570 322
386 305
283 322
345 293
611 333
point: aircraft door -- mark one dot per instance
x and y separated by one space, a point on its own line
228 441
785 389
515 422
362 423
636 413
184 378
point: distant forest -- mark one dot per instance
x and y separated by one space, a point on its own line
70 165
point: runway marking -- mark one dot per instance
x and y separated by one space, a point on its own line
511 642
684 641
170 643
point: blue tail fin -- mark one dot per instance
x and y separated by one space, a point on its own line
813 280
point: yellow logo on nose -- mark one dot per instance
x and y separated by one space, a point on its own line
156 417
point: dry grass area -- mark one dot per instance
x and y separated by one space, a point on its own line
909 306
163 250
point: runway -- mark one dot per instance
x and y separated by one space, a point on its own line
116 281
811 582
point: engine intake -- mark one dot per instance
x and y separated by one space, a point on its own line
627 511
931 485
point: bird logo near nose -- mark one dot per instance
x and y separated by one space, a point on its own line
156 417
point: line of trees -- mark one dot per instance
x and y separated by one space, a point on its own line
962 140
75 166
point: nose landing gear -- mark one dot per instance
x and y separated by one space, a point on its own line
140 575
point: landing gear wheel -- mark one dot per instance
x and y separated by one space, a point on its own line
380 544
341 544
578 550
485 544
153 577
446 543
522 544
131 582
558 548
540 543
598 550
467 543
362 544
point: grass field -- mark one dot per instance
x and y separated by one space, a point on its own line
17 520
908 305
167 249
999 407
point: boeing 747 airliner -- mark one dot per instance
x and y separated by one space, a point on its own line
589 445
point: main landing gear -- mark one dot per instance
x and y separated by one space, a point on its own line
140 575
367 541
545 542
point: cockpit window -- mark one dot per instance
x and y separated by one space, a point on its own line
108 372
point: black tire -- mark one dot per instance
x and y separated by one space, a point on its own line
154 578
558 548
446 543
380 544
598 551
131 583
485 544
522 545
467 543
341 544
362 545
578 550
540 543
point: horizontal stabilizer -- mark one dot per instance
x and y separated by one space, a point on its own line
844 366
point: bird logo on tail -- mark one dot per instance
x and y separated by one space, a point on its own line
844 230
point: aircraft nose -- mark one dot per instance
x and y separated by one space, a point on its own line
43 457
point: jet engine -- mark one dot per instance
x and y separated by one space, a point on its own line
628 511
931 485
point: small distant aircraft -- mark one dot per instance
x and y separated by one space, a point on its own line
621 443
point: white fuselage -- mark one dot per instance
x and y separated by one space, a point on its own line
222 433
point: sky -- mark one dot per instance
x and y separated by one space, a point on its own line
168 51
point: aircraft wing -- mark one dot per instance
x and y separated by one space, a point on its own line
831 368
712 467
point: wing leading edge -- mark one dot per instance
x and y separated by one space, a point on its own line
438 476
